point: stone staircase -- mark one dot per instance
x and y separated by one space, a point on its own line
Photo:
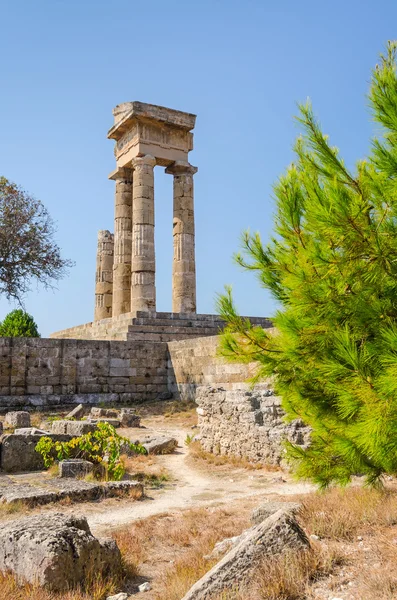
152 326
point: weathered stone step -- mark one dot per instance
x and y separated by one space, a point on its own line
74 489
174 330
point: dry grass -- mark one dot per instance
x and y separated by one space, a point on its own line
146 469
289 576
186 538
17 507
199 455
340 514
95 590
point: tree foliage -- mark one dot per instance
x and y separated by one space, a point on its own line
27 248
18 323
332 267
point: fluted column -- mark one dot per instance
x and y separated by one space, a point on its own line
143 270
184 262
104 276
122 242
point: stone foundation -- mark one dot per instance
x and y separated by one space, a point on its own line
50 373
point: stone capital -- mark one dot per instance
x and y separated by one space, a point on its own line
148 159
180 167
121 173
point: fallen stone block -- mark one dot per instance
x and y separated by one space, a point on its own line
121 596
275 535
75 467
159 445
76 413
19 418
18 452
56 551
30 431
73 428
266 509
97 412
129 419
114 422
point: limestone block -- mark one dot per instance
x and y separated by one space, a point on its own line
271 537
73 428
267 509
97 412
75 467
56 551
76 413
18 452
129 419
17 419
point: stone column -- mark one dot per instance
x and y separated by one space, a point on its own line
122 242
104 276
143 270
184 263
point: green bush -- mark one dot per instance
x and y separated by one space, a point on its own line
103 446
18 323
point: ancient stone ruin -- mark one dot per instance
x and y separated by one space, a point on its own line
147 136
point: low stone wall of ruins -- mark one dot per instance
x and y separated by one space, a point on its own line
247 423
52 372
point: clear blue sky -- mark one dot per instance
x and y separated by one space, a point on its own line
241 66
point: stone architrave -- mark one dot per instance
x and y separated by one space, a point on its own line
143 288
104 276
184 264
122 242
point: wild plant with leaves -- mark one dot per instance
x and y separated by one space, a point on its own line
102 447
332 267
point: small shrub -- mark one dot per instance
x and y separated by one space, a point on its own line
103 446
18 323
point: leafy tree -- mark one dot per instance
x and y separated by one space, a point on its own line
18 323
332 267
27 248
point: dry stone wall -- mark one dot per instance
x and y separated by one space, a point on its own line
248 423
53 372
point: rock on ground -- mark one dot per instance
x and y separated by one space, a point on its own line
159 445
17 418
74 428
273 536
56 551
97 412
76 413
18 452
129 419
75 467
266 509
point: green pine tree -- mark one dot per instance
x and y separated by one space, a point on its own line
18 323
332 267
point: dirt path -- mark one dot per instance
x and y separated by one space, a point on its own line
190 487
